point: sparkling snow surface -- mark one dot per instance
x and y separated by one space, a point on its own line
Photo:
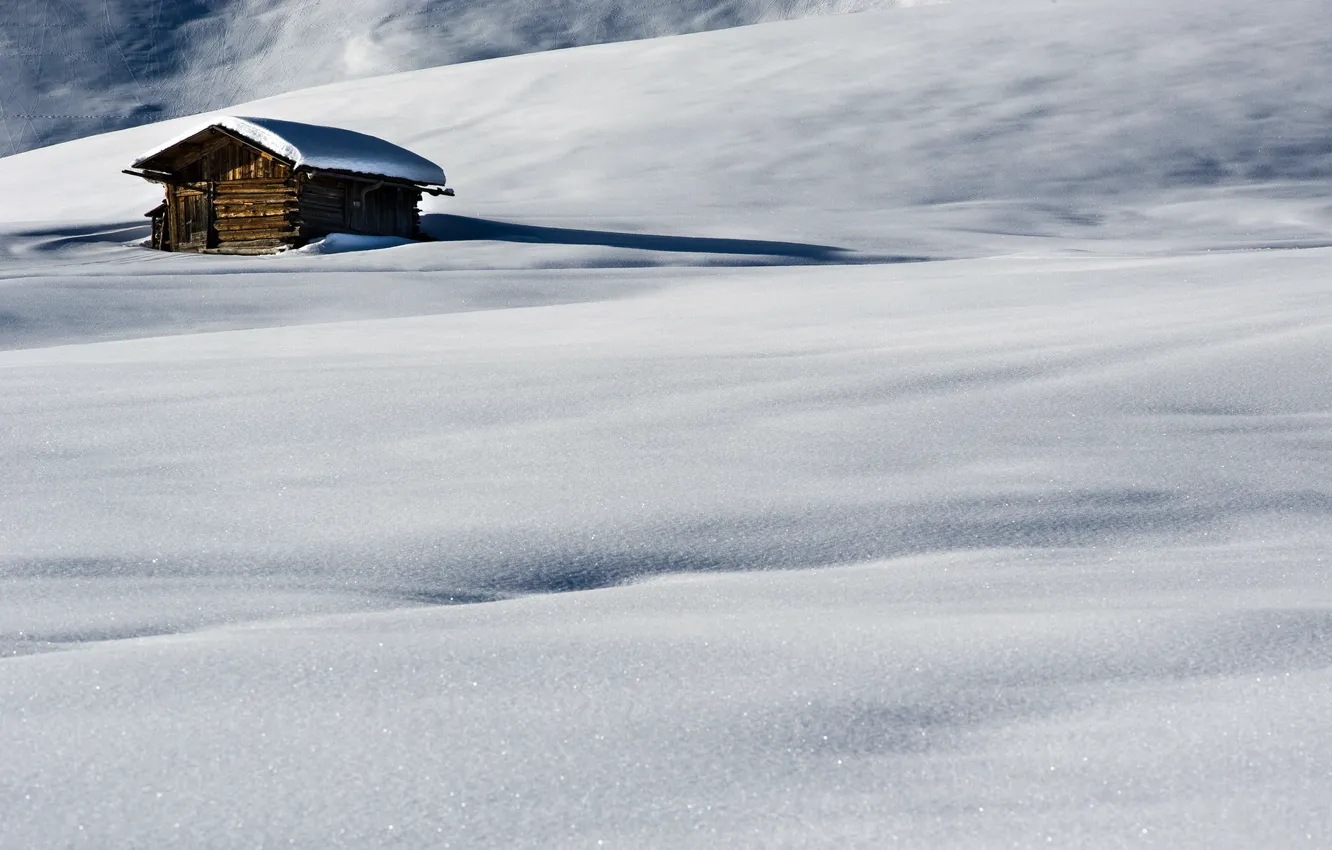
880 431
320 147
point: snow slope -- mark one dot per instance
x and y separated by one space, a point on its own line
786 450
79 67
1128 120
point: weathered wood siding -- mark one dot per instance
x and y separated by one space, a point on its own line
390 211
230 197
256 214
325 207
223 159
190 213
331 204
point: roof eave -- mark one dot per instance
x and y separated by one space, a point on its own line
370 178
161 174
142 162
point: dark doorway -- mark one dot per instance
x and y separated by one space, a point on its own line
195 220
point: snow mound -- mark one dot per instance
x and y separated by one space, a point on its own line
343 243
320 147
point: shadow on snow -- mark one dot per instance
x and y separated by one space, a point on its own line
456 228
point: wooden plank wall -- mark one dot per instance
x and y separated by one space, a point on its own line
392 211
258 205
227 159
328 206
192 229
237 162
256 214
252 198
325 207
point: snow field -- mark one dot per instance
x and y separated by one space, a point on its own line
912 704
861 432
939 130
1104 618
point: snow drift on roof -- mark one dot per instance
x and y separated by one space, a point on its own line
319 147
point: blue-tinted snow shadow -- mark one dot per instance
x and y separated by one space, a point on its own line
993 685
456 228
45 239
845 535
479 569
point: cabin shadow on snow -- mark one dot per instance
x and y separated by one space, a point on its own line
457 228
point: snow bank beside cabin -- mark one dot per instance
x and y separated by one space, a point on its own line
346 243
322 148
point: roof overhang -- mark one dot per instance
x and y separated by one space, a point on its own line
303 148
198 144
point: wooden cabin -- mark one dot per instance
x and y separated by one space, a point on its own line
259 185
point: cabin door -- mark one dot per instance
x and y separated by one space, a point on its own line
195 220
384 213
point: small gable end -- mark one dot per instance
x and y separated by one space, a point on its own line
215 156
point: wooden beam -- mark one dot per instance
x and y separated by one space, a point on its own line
241 225
272 222
360 178
161 178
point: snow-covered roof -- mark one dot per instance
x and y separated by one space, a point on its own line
318 147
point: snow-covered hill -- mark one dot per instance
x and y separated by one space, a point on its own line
1126 120
79 67
928 455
